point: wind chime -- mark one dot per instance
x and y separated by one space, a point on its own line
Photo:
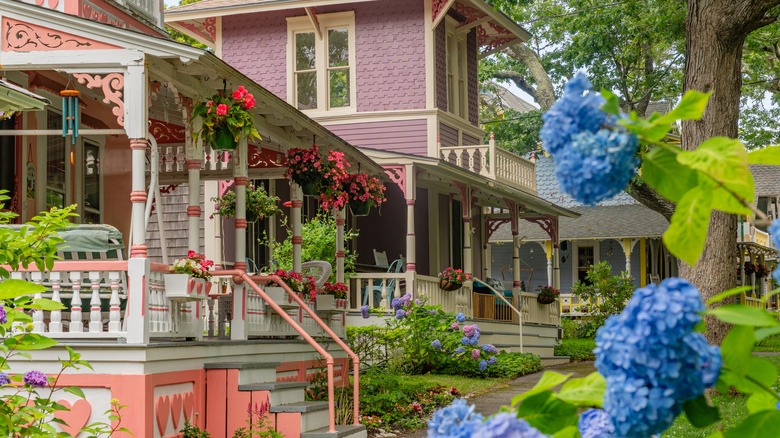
70 113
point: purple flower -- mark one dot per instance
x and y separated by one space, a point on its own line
3 316
461 350
400 313
418 301
461 318
36 379
406 299
464 340
396 303
475 353
507 425
474 341
4 380
469 330
454 326
436 344
483 365
364 312
492 360
490 348
595 423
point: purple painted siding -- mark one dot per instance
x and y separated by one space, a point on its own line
389 44
406 136
472 80
448 136
469 140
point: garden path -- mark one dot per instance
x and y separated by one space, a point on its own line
489 403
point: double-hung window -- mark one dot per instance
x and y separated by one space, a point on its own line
321 62
457 73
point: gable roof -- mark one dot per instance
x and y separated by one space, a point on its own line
548 188
766 179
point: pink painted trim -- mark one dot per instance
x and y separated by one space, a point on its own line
516 284
340 222
138 144
193 164
159 267
297 203
138 251
410 267
397 175
241 180
19 36
240 223
340 254
112 85
297 240
137 196
85 266
410 202
193 210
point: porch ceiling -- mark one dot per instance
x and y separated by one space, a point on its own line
15 98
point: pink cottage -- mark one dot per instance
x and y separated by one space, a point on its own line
391 84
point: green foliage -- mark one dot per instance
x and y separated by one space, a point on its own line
181 37
508 365
192 431
579 328
319 243
375 345
578 350
606 293
259 203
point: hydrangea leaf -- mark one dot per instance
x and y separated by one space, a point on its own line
700 413
723 161
759 425
765 332
737 348
567 432
75 390
691 107
549 380
743 315
728 293
767 155
612 104
761 401
547 413
687 230
10 289
45 304
30 341
584 391
668 177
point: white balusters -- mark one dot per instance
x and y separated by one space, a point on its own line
114 311
55 326
76 324
95 317
38 325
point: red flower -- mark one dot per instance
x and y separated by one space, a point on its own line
191 254
249 102
222 109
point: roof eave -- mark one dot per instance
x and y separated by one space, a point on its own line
502 19
172 15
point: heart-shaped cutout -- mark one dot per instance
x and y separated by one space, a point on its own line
189 405
190 285
176 403
163 410
76 418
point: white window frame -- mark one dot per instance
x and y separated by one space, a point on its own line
327 22
456 78
43 157
575 255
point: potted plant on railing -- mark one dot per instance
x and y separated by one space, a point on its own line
332 296
452 279
259 204
226 119
189 278
546 294
364 192
303 286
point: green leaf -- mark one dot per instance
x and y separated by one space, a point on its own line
723 163
725 294
687 230
547 413
741 315
568 432
549 380
10 289
46 304
32 341
662 171
75 390
759 425
761 401
612 104
737 349
691 107
584 391
765 332
767 155
700 413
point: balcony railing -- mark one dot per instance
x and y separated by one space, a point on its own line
494 163
149 9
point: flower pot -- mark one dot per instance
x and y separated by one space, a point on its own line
326 302
545 299
279 296
448 285
252 216
359 208
182 287
311 188
223 139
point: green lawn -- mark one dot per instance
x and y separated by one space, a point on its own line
732 408
770 344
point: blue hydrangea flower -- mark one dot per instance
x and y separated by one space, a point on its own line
35 378
406 299
3 316
460 350
465 341
4 380
506 425
490 348
594 423
436 344
483 365
774 230
594 158
652 360
396 303
457 420
460 317
474 341
400 313
492 360
364 312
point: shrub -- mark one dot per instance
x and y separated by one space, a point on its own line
577 349
579 328
607 293
508 365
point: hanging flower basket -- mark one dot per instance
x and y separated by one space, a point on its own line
359 208
259 204
449 285
310 188
223 139
545 299
226 119
547 294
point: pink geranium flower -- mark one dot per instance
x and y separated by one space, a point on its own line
222 109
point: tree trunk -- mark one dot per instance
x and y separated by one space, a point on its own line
544 93
715 33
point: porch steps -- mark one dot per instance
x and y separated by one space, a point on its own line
256 383
555 360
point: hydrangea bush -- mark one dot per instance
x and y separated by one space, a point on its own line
653 361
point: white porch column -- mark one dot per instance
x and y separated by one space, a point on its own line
194 153
238 323
340 254
468 257
627 251
548 250
410 193
296 197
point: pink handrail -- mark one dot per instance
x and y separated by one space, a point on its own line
355 359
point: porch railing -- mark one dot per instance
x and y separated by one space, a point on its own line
493 162
150 9
535 312
458 301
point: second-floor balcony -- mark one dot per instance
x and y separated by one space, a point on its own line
493 162
151 10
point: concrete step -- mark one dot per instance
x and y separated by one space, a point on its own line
555 360
280 393
345 430
314 414
248 372
496 338
539 350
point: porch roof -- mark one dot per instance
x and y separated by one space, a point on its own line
194 72
16 98
489 191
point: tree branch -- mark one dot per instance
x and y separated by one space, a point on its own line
648 197
544 93
518 80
